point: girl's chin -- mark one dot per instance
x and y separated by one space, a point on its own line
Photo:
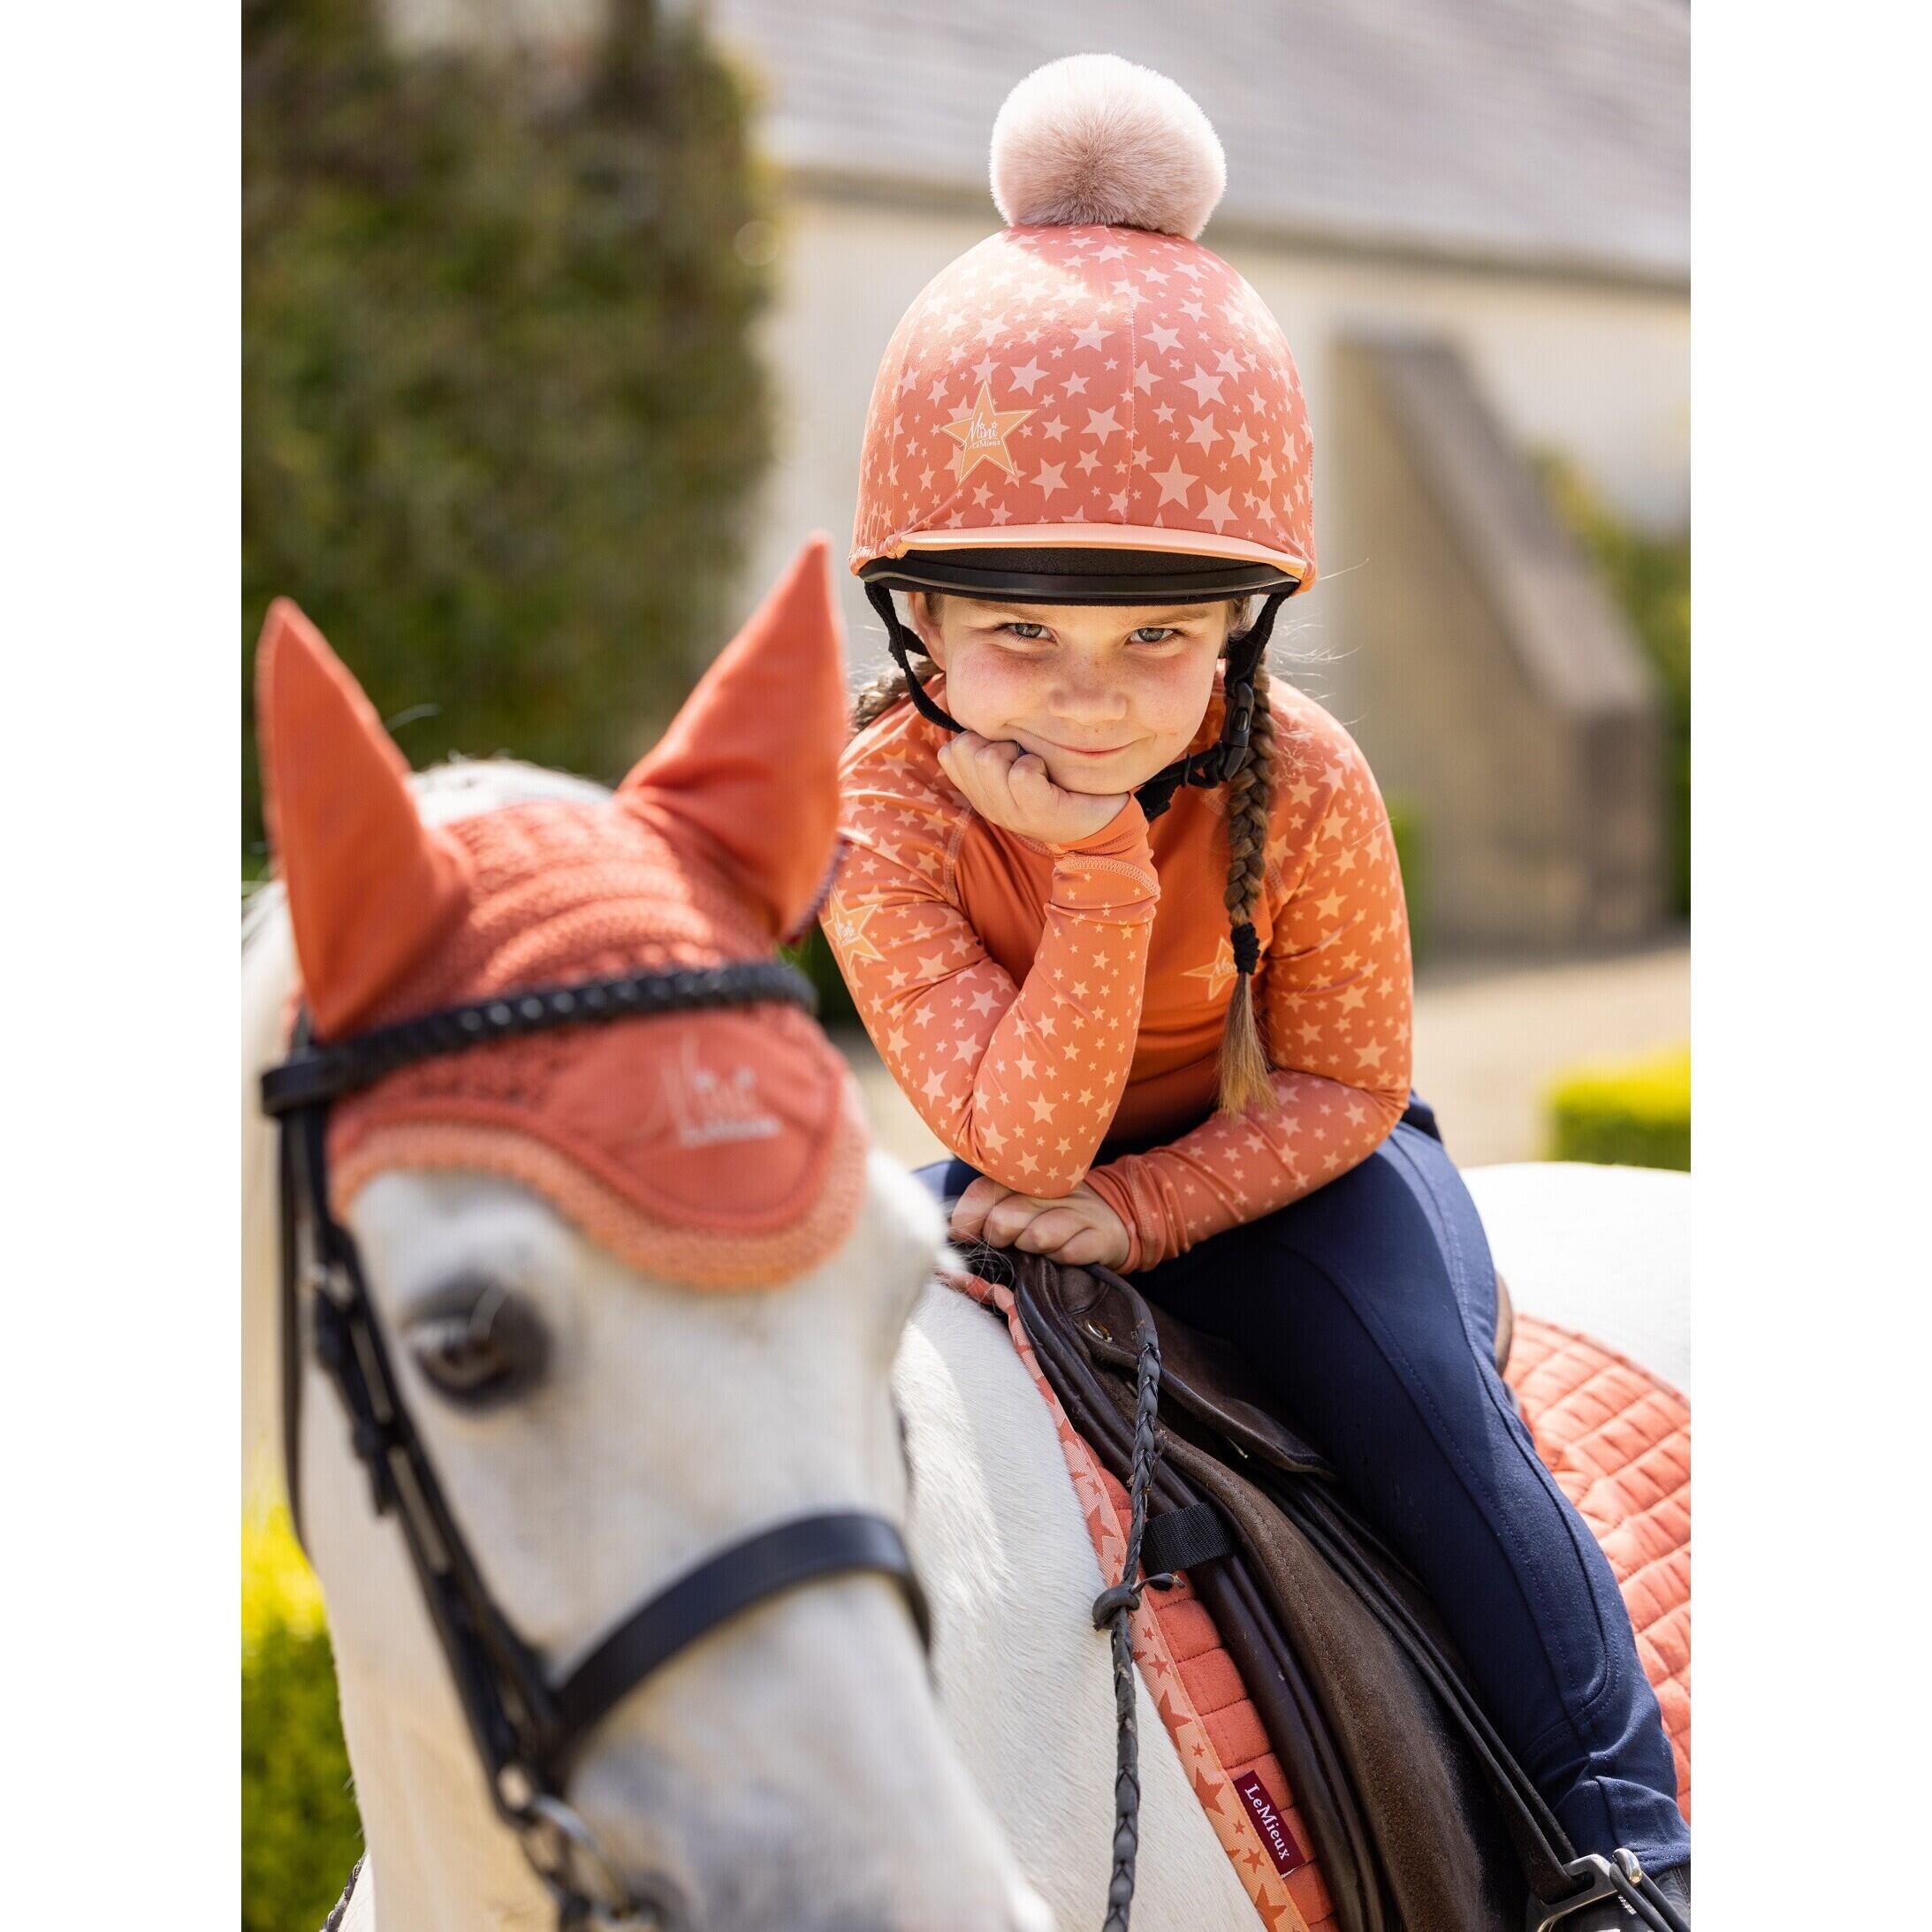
1099 783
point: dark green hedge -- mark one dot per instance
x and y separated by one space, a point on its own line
1636 1114
1651 577
500 407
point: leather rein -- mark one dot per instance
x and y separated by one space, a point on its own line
528 1727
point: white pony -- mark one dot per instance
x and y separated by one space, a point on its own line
799 1767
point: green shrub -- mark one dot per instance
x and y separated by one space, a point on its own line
1412 856
501 409
300 1831
813 956
1651 577
1633 1114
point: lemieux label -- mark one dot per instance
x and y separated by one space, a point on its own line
1269 1822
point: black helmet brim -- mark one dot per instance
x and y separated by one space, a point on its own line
1065 574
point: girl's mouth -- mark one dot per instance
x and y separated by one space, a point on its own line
1087 751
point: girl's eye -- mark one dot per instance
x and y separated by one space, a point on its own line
1030 633
1153 633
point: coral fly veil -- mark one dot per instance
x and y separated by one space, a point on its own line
724 1149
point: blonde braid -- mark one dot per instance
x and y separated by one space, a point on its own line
1245 1067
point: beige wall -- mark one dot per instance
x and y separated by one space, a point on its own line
1600 372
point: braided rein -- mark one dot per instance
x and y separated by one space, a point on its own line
1113 1611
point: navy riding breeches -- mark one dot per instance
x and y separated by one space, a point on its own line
1370 1305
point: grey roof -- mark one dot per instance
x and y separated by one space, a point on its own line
1541 134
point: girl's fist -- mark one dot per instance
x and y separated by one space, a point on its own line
1010 787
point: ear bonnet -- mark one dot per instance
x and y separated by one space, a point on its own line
723 1148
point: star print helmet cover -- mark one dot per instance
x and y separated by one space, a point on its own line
1090 407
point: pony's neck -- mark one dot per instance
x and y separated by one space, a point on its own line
439 1859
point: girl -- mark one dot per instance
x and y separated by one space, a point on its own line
1124 915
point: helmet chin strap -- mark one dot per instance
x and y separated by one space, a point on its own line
902 643
1213 766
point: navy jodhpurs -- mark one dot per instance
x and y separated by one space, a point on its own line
1370 1306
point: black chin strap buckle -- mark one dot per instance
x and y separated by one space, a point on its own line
1234 733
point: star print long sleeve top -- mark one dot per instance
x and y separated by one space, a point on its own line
1036 1001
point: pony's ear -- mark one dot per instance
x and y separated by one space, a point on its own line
370 886
751 763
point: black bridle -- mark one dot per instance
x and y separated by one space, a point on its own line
528 1729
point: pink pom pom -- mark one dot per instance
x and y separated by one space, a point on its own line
1095 138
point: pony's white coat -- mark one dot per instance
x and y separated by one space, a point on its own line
1605 1250
675 1422
1000 1542
790 1770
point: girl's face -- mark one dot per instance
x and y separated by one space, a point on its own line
1105 695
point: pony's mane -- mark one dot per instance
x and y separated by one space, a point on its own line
464 788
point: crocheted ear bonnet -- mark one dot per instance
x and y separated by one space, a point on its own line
722 1149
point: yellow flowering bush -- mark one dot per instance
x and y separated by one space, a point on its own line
1629 1112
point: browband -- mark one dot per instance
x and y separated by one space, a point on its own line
315 1071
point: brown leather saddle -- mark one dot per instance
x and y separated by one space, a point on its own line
1421 1819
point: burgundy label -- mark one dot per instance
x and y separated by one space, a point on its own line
1269 1822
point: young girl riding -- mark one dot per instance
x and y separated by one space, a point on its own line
1122 913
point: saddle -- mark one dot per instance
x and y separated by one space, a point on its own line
1417 1815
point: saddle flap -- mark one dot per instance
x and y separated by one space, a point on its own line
1100 1314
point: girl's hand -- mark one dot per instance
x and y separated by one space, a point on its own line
1079 1229
1010 787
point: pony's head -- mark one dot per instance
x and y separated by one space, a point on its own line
641 1284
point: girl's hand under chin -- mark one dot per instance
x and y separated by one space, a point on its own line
1010 787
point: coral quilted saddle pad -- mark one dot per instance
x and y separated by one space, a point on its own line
1619 1442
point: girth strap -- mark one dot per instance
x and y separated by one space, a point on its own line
711 1595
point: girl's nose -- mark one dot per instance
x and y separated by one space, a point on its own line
1087 698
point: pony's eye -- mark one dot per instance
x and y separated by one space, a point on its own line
479 1345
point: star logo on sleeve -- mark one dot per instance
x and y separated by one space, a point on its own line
982 434
1218 971
848 932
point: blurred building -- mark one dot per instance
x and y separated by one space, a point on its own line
1472 218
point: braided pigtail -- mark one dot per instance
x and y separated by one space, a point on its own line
1245 1067
878 694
